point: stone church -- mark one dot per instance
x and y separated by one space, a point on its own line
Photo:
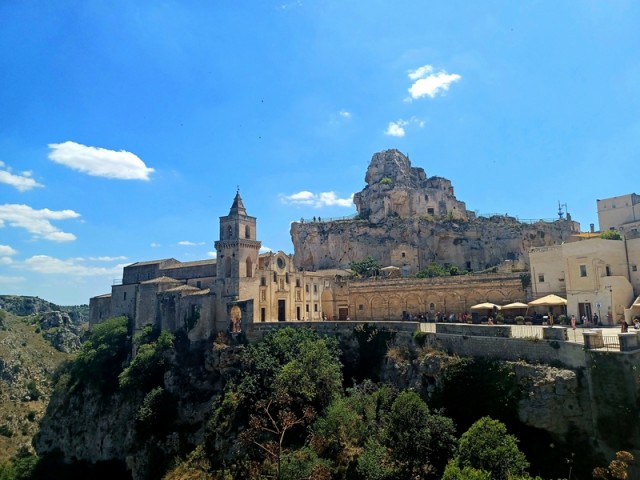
240 286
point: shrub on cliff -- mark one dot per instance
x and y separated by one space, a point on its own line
147 368
101 357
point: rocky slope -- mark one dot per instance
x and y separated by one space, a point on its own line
25 305
27 363
93 427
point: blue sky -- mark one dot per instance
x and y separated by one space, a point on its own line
126 126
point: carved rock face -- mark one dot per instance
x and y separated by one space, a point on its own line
396 189
394 165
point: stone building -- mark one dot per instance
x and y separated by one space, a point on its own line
596 275
620 213
240 286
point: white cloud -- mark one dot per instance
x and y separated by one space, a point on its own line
155 245
420 72
22 182
396 129
265 249
6 260
72 267
99 162
345 114
7 250
429 84
187 243
212 254
317 200
8 280
37 222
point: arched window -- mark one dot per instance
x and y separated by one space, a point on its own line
247 231
229 232
227 267
249 267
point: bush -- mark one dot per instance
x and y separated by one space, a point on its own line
611 235
101 357
5 431
519 320
155 414
420 338
148 366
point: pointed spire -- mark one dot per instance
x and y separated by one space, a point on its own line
238 207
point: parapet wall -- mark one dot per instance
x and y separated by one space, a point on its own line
257 331
459 339
570 355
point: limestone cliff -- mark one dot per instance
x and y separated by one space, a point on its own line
408 220
86 425
552 399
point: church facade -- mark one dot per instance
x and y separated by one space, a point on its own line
240 286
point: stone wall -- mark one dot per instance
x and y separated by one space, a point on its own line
569 355
387 299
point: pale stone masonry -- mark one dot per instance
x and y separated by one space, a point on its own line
206 296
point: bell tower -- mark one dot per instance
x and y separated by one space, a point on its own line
237 250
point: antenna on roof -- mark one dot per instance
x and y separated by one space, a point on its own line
560 211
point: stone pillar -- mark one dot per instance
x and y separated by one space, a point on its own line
555 333
593 339
629 341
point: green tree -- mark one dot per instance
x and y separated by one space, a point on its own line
303 464
374 462
433 270
283 382
420 443
313 376
101 357
147 368
487 446
454 472
367 267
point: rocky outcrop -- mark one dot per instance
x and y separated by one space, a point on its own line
412 244
408 220
396 189
551 399
61 332
24 305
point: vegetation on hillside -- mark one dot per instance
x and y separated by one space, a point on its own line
27 363
282 411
